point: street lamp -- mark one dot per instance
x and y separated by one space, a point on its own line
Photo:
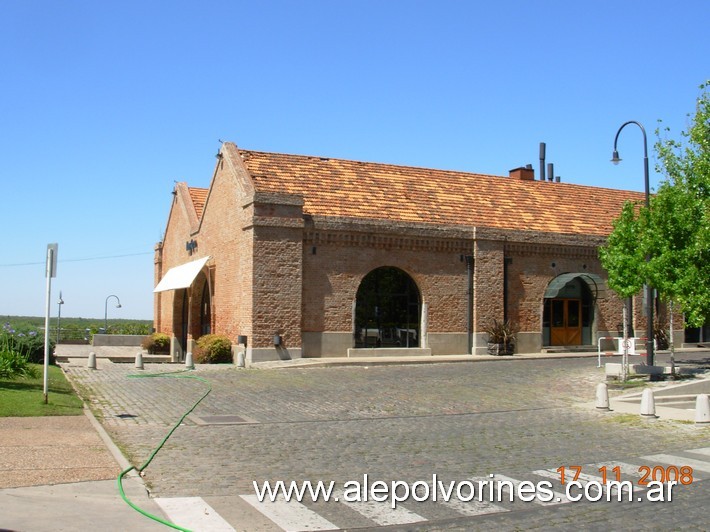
118 305
59 315
649 291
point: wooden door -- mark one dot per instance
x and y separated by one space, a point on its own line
566 322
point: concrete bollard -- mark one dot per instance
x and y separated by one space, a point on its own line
648 404
91 364
602 396
139 360
702 408
241 361
189 364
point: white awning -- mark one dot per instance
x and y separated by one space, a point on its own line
181 276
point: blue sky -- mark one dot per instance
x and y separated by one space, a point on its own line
105 104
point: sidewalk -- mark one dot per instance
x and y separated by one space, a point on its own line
59 473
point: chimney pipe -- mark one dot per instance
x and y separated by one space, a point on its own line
550 171
542 161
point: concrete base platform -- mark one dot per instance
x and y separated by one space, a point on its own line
390 352
118 354
613 370
672 401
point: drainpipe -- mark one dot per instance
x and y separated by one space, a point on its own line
506 263
469 303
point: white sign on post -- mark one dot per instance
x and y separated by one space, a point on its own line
51 271
52 260
629 344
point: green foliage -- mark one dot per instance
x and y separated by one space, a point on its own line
79 330
213 349
675 233
156 343
14 365
17 349
680 215
31 342
623 255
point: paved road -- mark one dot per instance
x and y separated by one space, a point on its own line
510 418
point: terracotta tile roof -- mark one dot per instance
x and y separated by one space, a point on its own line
336 187
198 197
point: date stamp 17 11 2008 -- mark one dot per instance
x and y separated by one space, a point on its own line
682 475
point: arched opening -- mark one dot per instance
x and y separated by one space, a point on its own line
206 310
180 311
568 312
387 310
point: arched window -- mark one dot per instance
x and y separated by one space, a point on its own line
387 310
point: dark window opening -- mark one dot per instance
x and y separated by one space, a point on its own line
387 310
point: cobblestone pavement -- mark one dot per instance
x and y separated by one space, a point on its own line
460 421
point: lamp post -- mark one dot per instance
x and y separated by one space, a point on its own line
118 305
649 291
59 316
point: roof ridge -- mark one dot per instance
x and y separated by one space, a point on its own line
373 163
438 170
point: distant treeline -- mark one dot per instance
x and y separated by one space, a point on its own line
79 327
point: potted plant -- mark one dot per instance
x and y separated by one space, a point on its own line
501 338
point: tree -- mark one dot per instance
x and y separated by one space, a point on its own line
624 259
679 233
668 245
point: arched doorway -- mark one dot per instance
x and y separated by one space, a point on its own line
387 310
568 312
206 310
180 313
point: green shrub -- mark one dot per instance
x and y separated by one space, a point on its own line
27 341
14 365
156 343
213 349
14 354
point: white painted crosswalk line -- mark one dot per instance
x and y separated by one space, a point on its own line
473 507
382 513
193 513
679 461
626 469
552 474
703 450
585 479
290 515
558 498
611 477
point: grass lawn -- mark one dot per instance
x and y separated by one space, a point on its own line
25 397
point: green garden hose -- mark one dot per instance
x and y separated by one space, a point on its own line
175 375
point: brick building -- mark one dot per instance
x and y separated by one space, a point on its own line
311 256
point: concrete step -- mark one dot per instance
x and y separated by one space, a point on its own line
570 349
